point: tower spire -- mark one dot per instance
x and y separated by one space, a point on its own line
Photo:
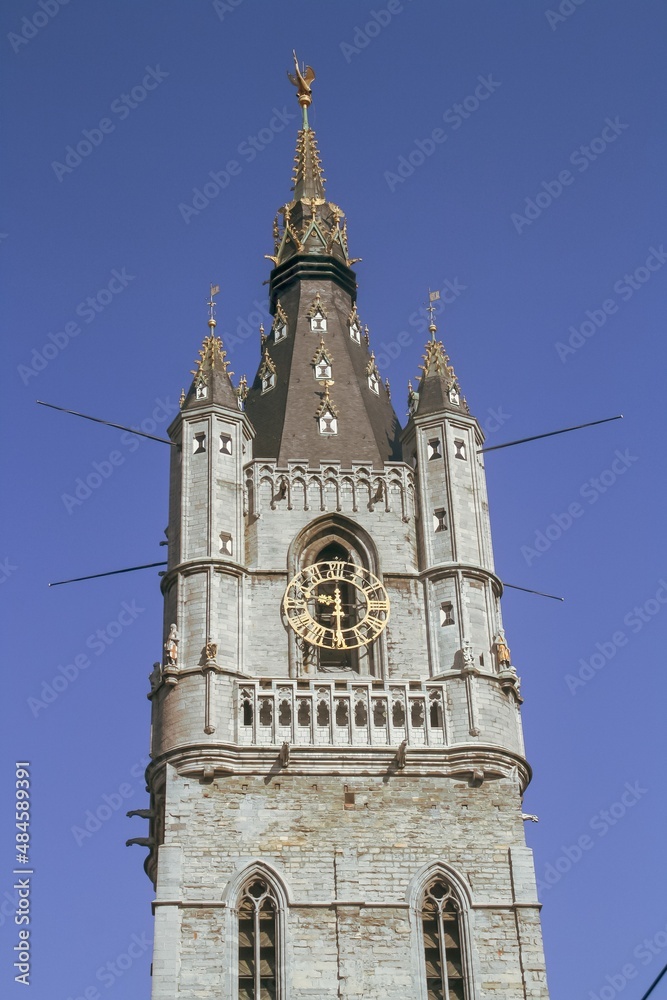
313 294
309 224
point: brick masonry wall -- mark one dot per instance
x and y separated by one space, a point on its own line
369 856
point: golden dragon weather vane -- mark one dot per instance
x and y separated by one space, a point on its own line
302 80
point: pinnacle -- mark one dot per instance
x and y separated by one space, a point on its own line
308 179
436 362
211 356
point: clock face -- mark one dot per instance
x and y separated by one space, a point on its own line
336 605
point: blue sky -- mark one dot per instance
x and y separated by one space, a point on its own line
512 154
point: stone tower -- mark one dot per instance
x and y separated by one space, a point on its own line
337 755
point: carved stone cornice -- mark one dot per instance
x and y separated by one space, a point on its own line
459 762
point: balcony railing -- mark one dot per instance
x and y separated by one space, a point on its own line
340 713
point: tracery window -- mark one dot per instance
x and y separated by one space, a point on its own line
258 919
443 955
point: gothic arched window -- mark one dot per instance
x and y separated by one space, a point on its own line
258 977
442 936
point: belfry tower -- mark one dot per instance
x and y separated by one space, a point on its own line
337 755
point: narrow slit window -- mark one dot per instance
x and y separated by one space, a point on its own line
434 449
460 450
440 519
225 444
342 713
225 543
360 714
199 443
417 714
380 713
435 711
446 613
246 707
398 715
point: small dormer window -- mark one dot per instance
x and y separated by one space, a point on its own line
321 362
328 423
318 322
373 376
279 324
317 316
327 413
454 396
201 391
267 372
354 326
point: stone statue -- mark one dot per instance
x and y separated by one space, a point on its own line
502 650
171 647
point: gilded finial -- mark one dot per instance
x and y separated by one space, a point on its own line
211 306
367 336
327 404
182 399
302 81
262 336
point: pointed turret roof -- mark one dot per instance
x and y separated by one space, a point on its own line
212 381
438 387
